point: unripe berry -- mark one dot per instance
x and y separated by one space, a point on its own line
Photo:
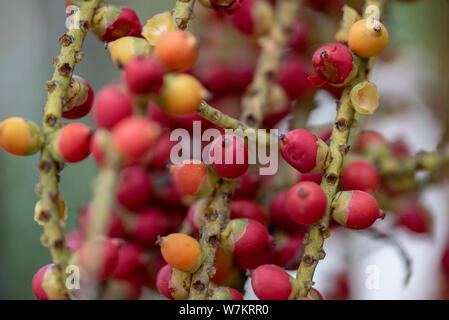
131 260
135 137
148 225
181 94
193 177
360 175
292 76
125 49
143 75
134 188
47 285
306 203
111 22
80 104
228 156
271 282
111 106
246 208
182 252
355 209
99 257
72 143
245 237
304 151
177 50
173 283
225 293
367 37
20 137
333 64
415 217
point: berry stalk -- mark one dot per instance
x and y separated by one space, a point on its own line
182 12
51 203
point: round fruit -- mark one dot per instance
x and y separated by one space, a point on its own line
143 75
360 175
73 142
367 38
177 50
181 251
228 156
271 282
111 106
306 203
134 188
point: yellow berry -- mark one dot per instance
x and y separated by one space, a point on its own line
181 251
15 136
367 38
124 49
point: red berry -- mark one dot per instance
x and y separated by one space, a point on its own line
415 217
131 260
73 142
116 229
300 37
111 106
134 188
245 237
38 290
99 257
96 150
304 151
246 208
160 116
189 175
332 63
228 156
360 175
271 282
292 76
355 209
135 137
161 153
399 149
74 240
149 224
143 75
369 138
315 294
278 213
83 108
445 261
250 262
314 177
243 19
163 281
112 22
289 251
231 7
306 203
249 184
235 295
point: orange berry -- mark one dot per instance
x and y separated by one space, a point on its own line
189 175
367 38
181 251
223 265
15 136
182 94
177 50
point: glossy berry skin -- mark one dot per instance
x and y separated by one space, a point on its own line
73 142
271 282
134 138
292 76
304 151
415 218
38 290
177 50
228 156
355 209
124 49
131 260
246 208
306 203
245 237
111 106
99 257
333 64
149 224
189 175
143 75
367 38
360 175
15 136
134 188
163 281
80 110
112 22
181 251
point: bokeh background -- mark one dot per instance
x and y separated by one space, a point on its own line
413 81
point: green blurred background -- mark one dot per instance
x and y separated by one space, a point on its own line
29 33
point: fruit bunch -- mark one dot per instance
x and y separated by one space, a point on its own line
198 228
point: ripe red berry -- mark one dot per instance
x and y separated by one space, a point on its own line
289 250
245 237
149 224
360 175
271 282
304 151
73 142
249 184
333 64
306 203
223 265
250 262
143 75
314 177
46 286
279 216
111 106
172 283
243 19
96 150
99 257
163 281
415 217
246 208
355 209
292 76
300 36
112 22
161 153
131 260
369 138
115 227
135 137
228 156
134 188
81 108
